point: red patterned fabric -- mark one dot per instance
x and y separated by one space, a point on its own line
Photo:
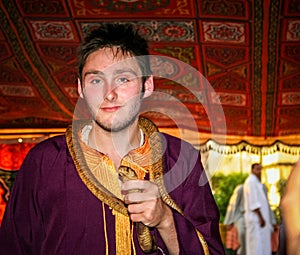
12 155
2 203
11 158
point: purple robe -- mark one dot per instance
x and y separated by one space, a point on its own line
51 211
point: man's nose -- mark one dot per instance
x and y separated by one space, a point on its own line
111 94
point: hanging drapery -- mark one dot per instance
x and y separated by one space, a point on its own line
12 155
254 149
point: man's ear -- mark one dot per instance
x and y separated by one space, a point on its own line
149 86
79 88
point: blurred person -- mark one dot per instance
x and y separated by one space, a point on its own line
235 221
290 206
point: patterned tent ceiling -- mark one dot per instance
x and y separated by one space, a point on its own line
249 51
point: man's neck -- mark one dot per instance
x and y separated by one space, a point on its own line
258 177
115 144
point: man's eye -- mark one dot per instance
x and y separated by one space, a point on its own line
94 82
122 80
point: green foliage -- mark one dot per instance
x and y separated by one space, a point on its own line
223 186
281 186
281 189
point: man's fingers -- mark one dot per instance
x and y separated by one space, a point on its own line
134 185
138 197
139 186
138 213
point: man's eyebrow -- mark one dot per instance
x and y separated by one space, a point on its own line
93 72
117 71
125 70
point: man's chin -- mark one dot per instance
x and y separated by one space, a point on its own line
113 128
117 126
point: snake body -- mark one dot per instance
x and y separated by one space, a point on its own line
146 240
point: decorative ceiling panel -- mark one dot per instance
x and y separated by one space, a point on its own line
249 52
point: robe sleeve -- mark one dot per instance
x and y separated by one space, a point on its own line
17 230
189 187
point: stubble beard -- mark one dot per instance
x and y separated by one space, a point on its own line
118 126
123 124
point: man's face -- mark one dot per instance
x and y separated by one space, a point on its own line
112 85
257 171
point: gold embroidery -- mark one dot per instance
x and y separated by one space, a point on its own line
123 234
105 230
105 172
81 154
203 243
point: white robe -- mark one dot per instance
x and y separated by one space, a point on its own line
258 240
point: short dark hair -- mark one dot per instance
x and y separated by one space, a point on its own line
254 165
121 35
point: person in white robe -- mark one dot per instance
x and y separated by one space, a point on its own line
257 214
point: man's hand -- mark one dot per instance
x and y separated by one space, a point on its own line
260 217
262 222
229 227
145 205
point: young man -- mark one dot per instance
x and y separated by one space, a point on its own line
106 186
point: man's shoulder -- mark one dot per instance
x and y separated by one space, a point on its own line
46 153
251 179
177 146
49 145
171 140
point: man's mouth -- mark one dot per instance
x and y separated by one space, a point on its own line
110 108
